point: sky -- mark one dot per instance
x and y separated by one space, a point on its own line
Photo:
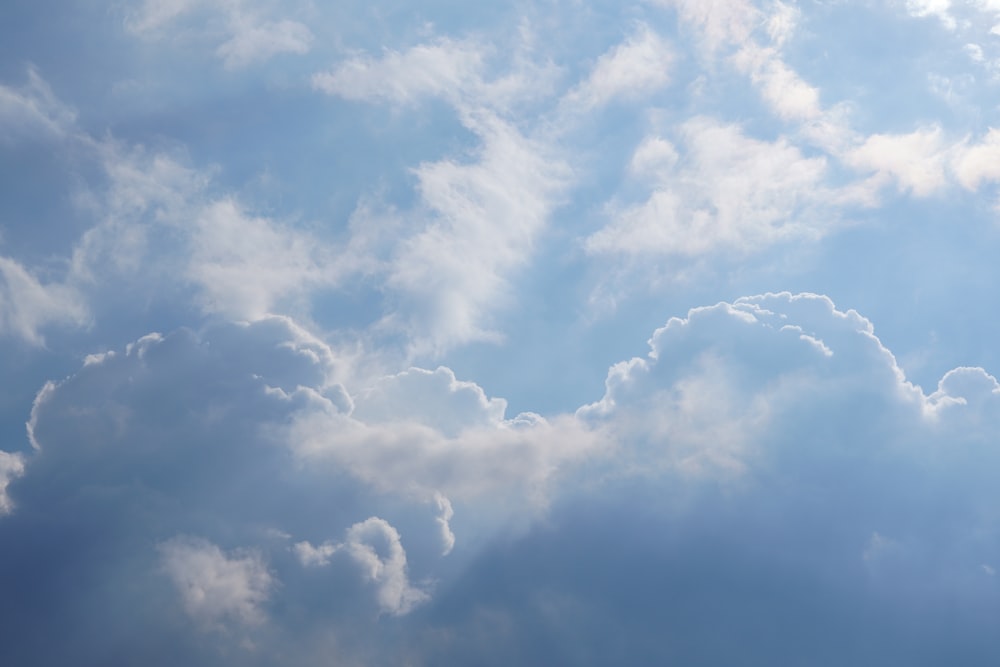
542 333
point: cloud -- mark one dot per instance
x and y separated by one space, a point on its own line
313 556
781 87
435 398
422 434
916 161
178 443
479 218
385 570
375 547
766 488
214 587
718 22
162 226
254 42
447 537
722 191
155 15
192 440
715 383
481 221
636 68
33 109
765 484
773 439
479 215
27 305
11 467
244 265
936 8
247 36
977 163
446 69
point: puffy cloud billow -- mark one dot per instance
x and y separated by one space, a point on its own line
768 484
781 493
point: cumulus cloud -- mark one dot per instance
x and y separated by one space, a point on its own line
638 67
446 69
375 547
157 219
162 226
33 109
447 537
216 587
421 434
254 42
977 163
720 23
244 264
916 161
744 419
227 434
11 467
484 218
765 484
315 556
936 8
153 15
246 33
713 382
28 305
721 190
478 218
780 86
762 480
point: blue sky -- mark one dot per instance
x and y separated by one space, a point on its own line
431 333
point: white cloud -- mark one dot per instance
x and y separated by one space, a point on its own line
33 109
162 225
975 164
254 42
478 219
155 14
435 398
414 440
443 519
975 52
444 69
781 87
719 22
27 305
782 22
462 72
716 383
636 68
482 220
11 467
247 35
916 161
724 190
313 556
244 264
375 547
936 8
217 588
